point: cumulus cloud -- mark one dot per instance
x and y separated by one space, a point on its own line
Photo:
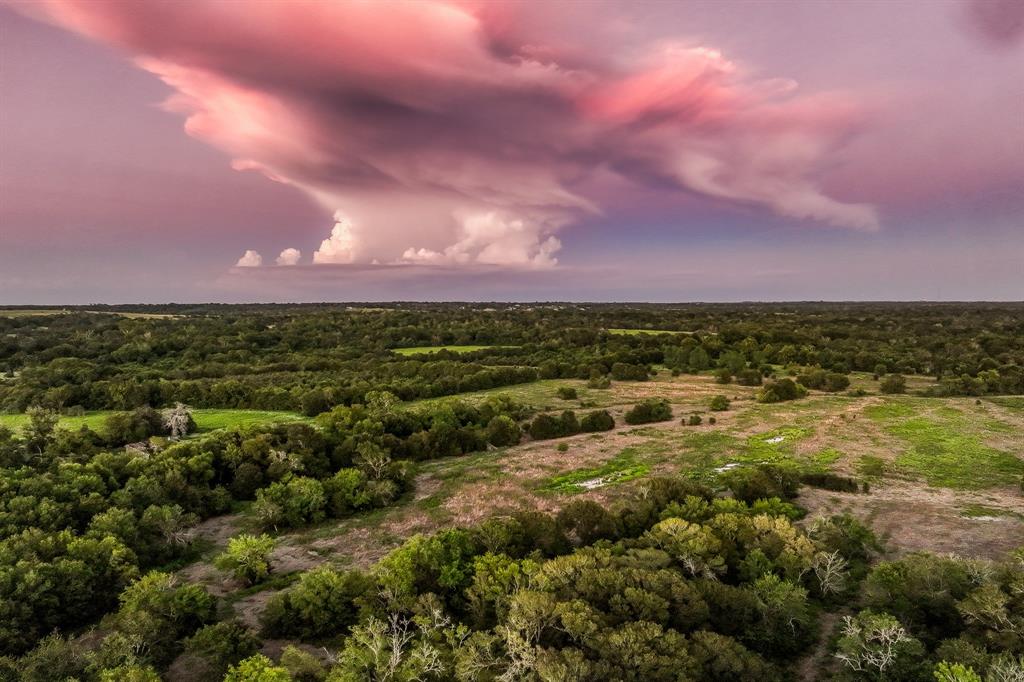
456 132
493 239
289 257
250 259
339 247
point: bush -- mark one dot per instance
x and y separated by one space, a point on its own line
257 668
778 391
694 420
584 522
545 426
819 379
712 420
893 383
650 410
502 431
623 371
749 484
134 426
748 377
314 402
247 557
324 602
719 403
830 481
302 665
298 502
563 447
599 382
598 420
223 645
834 382
723 375
567 393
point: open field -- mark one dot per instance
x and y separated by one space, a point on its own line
30 312
637 332
921 497
426 350
38 312
207 420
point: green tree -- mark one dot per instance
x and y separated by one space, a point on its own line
247 557
257 668
502 430
893 383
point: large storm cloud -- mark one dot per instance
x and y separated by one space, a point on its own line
452 133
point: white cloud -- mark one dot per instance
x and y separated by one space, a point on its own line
250 259
289 257
339 247
490 238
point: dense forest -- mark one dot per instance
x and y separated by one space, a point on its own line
311 357
683 580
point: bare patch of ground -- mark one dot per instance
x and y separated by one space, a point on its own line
911 518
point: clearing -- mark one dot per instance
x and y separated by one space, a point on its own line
207 419
948 482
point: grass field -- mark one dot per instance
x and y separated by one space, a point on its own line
29 312
637 332
426 350
943 472
37 312
206 419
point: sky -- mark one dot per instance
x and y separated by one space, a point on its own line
357 150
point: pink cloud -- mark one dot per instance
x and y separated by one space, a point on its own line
457 132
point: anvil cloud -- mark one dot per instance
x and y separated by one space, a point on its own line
457 133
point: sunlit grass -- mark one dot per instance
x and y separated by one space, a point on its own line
207 419
427 350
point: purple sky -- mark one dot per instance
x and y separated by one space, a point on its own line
221 151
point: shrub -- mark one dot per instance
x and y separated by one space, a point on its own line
567 393
563 447
723 375
778 391
694 420
598 420
545 426
257 668
347 492
599 382
893 383
324 602
650 410
764 481
570 426
314 402
247 557
302 665
829 481
502 430
584 522
624 371
129 427
719 403
834 382
295 503
223 645
712 420
748 377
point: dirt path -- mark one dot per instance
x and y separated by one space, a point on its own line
815 665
